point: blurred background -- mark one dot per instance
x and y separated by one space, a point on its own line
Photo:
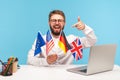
20 20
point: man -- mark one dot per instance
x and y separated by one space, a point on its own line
56 56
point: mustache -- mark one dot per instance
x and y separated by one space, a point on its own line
57 26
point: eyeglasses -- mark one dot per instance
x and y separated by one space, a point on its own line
55 20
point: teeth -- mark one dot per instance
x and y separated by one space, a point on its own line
56 27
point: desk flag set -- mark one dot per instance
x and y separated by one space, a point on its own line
9 67
75 47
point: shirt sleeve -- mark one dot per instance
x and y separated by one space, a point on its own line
35 60
90 37
88 40
66 59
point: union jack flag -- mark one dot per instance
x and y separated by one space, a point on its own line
49 42
76 49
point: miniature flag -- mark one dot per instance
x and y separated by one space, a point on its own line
39 43
49 42
76 49
63 43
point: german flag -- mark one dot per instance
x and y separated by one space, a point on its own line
63 43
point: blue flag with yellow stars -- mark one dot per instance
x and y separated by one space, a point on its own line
39 43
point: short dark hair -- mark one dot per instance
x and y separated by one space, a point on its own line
57 12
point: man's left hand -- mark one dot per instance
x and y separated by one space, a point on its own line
52 58
79 25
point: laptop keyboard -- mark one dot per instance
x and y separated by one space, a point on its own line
84 70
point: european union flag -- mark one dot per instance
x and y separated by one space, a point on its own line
39 43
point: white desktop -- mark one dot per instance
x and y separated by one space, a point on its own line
59 72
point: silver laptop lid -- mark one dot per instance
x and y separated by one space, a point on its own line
101 58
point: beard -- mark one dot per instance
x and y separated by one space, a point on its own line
56 33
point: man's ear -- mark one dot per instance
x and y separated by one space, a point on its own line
49 22
64 23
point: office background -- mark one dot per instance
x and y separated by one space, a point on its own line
20 20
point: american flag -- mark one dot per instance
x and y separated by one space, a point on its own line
76 49
49 42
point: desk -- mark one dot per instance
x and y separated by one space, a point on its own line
28 72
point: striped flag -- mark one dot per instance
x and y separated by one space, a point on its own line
49 42
76 49
63 43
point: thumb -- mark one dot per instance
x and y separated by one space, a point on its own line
78 18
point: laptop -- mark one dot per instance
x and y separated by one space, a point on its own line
101 59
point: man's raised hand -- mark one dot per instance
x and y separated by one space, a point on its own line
79 25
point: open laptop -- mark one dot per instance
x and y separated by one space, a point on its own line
101 59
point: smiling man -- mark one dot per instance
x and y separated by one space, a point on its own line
56 22
56 56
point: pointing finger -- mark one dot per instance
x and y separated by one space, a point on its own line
78 18
74 25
